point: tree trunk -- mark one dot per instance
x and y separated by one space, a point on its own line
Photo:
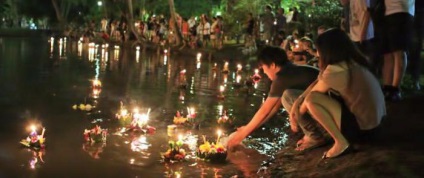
58 15
130 21
174 21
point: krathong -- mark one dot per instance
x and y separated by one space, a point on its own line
212 152
34 140
175 152
95 135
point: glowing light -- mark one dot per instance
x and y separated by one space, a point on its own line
256 71
239 67
33 129
137 56
97 83
238 78
199 55
99 3
221 88
124 112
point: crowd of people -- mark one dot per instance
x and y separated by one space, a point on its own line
340 97
196 32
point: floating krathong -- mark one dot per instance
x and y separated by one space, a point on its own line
95 135
139 121
178 119
34 140
212 152
175 152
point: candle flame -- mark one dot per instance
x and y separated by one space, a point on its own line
239 66
256 71
33 128
221 88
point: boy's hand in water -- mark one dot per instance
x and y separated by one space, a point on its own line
236 138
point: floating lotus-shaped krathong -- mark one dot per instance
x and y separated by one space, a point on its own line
95 135
34 140
175 152
212 152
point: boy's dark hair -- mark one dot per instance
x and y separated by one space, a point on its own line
271 54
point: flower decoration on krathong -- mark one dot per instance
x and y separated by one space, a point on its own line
34 140
175 152
95 135
179 119
212 152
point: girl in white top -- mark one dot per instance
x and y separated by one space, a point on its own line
358 104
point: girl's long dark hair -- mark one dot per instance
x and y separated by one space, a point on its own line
334 46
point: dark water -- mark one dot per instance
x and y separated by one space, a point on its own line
41 81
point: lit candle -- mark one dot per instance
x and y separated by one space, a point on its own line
33 129
165 51
219 132
124 112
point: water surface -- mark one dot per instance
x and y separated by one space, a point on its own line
43 78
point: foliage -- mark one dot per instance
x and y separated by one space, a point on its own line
324 12
236 13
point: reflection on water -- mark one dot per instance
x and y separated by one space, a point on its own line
36 161
105 75
94 149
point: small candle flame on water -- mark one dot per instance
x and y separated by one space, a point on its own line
33 129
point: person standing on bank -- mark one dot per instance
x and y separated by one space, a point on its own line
396 39
284 75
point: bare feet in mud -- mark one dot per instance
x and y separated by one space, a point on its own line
307 143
